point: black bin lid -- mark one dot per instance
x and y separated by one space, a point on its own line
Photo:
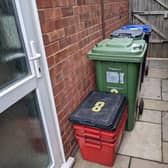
109 115
128 33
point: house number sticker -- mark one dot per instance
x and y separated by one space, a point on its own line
122 78
112 77
115 77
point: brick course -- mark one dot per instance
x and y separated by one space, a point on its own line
115 14
70 29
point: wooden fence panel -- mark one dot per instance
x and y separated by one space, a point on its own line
155 13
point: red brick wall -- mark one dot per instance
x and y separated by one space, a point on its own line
70 29
115 14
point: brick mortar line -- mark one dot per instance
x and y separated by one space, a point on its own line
70 55
75 43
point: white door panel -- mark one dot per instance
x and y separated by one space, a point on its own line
29 128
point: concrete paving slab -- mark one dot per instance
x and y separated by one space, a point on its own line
165 90
151 89
158 73
165 152
165 126
143 142
158 64
155 105
139 163
151 116
120 162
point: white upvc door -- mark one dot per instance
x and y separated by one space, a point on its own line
29 130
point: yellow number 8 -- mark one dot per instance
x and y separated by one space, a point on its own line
98 106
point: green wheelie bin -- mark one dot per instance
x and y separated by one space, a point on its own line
118 69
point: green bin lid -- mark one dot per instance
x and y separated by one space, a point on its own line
119 49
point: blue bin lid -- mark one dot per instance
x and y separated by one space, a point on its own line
145 28
121 33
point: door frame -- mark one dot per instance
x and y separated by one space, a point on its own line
32 4
9 95
70 161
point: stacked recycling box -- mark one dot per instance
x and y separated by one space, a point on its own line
99 123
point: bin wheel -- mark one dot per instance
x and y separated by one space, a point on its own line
137 107
137 110
146 70
141 106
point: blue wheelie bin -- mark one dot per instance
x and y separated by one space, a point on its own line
135 31
145 28
147 32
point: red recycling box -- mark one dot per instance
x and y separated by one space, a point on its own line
100 150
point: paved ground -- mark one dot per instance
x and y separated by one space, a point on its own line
147 145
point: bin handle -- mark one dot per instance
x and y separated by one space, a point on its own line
137 47
114 91
91 135
92 145
125 35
